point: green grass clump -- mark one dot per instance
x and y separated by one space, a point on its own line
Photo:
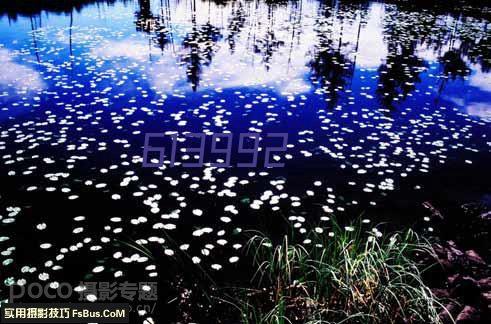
344 276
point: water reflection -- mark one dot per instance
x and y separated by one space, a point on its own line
375 96
335 38
200 45
18 76
333 33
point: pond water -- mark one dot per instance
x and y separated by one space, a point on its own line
381 103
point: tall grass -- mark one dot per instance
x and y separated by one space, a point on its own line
346 276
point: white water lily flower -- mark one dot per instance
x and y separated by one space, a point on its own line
98 269
197 212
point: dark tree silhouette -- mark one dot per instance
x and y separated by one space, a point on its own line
330 67
201 45
236 24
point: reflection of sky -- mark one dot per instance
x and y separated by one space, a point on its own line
227 70
287 72
478 98
288 67
372 49
18 76
473 97
125 48
480 80
479 109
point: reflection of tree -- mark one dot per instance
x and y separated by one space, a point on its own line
360 7
296 27
267 45
398 76
453 66
235 25
70 42
220 2
454 8
475 40
34 7
329 64
349 11
405 28
157 26
163 30
401 70
70 34
34 38
145 20
481 53
466 35
201 44
329 69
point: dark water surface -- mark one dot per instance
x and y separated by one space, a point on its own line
384 105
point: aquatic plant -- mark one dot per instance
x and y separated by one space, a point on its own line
344 276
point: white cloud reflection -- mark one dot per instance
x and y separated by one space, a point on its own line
371 48
480 79
479 109
134 49
18 76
